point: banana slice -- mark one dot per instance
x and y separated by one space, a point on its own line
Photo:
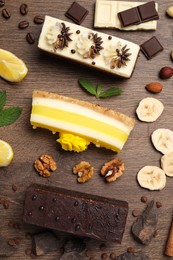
167 164
152 178
162 140
149 109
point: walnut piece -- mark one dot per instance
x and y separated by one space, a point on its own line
45 165
84 171
112 170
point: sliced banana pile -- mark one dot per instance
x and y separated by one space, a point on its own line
167 164
162 140
152 178
149 109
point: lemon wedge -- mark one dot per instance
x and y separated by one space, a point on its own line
12 68
6 153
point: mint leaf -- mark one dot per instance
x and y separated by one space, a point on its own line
2 99
111 92
9 115
99 90
88 86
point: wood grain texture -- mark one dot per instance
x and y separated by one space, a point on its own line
58 75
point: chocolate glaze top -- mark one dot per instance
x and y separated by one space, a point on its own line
56 208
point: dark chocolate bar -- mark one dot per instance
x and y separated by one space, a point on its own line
75 212
76 13
140 14
151 47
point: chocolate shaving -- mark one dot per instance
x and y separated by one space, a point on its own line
63 38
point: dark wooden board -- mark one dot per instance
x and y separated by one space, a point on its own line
58 75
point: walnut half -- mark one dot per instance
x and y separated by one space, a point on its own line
45 165
84 171
112 170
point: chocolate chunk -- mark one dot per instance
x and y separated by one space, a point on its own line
133 256
144 227
140 14
74 248
6 250
129 17
74 244
44 242
76 13
151 47
97 217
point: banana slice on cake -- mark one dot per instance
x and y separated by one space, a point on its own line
162 140
167 164
149 109
152 178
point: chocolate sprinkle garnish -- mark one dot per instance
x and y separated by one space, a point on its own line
93 63
78 31
34 197
76 203
63 38
41 208
77 227
57 218
73 51
109 37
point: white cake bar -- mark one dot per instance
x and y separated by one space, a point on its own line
106 15
82 43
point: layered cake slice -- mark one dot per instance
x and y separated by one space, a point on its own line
83 120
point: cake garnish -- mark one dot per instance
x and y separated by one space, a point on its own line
63 38
89 45
117 56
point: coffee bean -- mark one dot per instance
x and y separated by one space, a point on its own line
158 204
130 250
30 38
14 187
2 3
144 199
6 14
136 212
112 256
38 19
12 242
23 25
104 256
23 9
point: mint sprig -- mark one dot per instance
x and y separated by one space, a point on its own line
97 91
8 115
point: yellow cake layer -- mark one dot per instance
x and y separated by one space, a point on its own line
102 126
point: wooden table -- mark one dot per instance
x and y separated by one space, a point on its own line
61 76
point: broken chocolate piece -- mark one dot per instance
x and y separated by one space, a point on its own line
5 249
75 212
74 244
133 256
74 248
140 14
44 242
76 13
151 47
144 227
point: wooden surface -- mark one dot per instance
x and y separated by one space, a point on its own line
57 75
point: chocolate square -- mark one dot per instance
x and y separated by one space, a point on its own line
148 11
76 13
130 16
151 47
